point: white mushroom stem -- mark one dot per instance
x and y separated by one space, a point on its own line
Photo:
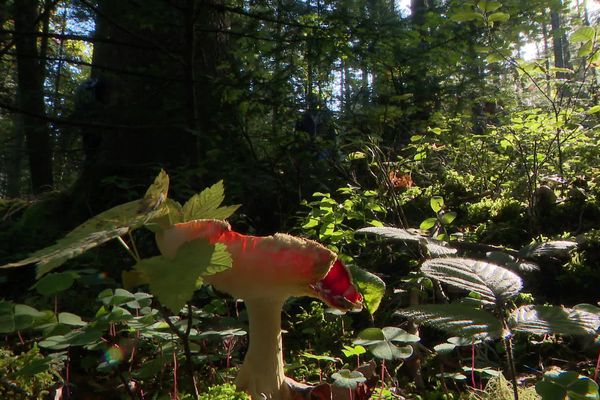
262 372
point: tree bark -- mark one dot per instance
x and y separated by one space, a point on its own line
30 96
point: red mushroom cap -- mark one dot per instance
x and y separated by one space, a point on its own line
269 266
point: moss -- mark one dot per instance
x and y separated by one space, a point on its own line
223 392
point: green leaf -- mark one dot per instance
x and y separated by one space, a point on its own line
558 384
428 223
585 49
70 319
392 233
594 109
7 317
498 17
173 281
54 283
448 217
348 379
543 320
320 358
352 351
457 376
553 248
104 227
583 34
206 204
26 316
370 286
488 6
379 342
444 348
456 319
490 281
466 16
436 203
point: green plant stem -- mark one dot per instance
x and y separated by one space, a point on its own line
511 366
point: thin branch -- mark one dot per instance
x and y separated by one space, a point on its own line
70 36
72 122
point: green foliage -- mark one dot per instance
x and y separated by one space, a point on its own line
223 392
106 226
174 280
28 375
380 342
370 286
491 282
569 385
348 379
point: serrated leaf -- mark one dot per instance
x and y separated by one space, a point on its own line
583 34
105 226
370 286
206 204
391 233
492 282
543 320
553 248
456 319
174 280
498 17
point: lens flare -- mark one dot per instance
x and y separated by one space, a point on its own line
114 355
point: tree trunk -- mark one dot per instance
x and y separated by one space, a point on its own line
162 118
30 96
559 38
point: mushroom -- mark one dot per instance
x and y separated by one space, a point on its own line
266 271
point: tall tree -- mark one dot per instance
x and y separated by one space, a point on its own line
30 95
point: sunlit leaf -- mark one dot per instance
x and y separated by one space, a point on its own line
583 34
456 319
498 17
348 379
543 320
174 280
207 204
370 286
436 203
490 281
103 227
